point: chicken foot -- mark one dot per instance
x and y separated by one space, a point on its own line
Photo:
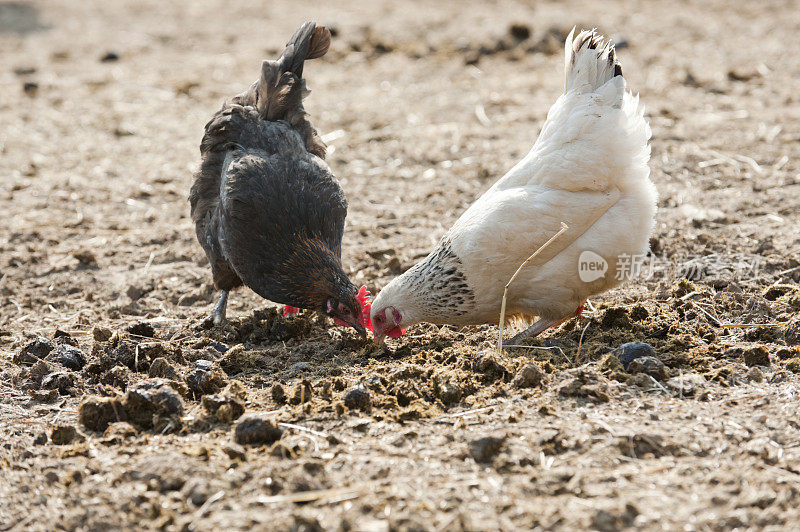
218 315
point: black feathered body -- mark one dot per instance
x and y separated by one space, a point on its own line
268 211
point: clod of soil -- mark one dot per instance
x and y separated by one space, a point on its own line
302 392
101 334
756 356
153 404
66 383
580 382
649 365
205 378
754 374
96 413
627 353
792 332
447 388
65 434
357 398
529 376
278 393
485 449
255 430
118 432
68 356
141 329
616 318
37 349
223 407
687 385
161 367
490 367
234 451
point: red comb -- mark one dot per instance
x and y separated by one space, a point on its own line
366 306
290 310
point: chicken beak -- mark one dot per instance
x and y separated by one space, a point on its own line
379 339
360 328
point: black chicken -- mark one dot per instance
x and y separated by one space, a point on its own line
268 211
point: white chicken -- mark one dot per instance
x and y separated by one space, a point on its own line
588 168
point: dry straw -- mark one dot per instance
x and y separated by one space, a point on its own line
564 227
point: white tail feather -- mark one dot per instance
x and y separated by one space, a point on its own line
589 62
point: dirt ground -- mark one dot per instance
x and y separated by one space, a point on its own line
119 408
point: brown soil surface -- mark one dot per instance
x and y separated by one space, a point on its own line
128 417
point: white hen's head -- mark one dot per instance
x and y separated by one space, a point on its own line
393 310
434 290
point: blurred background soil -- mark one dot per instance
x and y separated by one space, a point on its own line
120 409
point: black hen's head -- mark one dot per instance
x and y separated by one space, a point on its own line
317 281
343 306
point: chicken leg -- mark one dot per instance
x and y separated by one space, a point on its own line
541 325
218 315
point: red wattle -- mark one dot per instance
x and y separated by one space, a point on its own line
397 332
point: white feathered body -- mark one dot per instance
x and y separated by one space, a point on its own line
588 169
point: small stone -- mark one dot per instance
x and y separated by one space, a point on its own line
687 385
68 356
109 57
630 351
649 365
101 334
529 376
40 439
755 375
483 450
51 477
756 356
357 398
255 430
65 434
278 393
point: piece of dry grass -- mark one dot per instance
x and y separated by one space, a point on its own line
564 227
